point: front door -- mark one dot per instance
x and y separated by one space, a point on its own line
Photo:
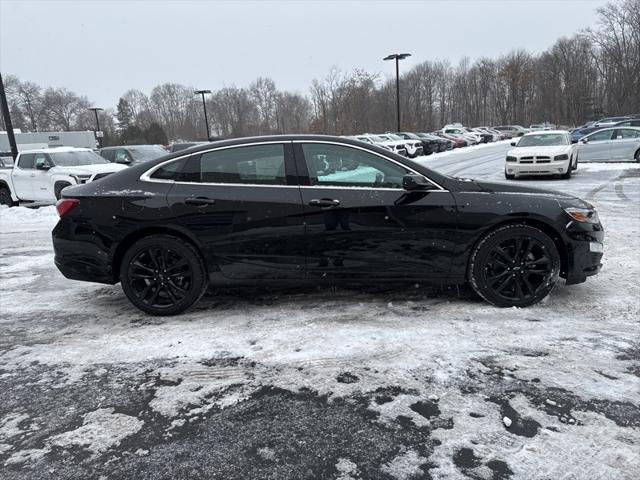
596 147
43 189
362 224
22 176
243 204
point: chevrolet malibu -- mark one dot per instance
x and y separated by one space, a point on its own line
266 211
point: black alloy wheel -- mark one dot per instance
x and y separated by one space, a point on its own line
163 275
515 265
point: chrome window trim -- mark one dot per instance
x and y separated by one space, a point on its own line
146 176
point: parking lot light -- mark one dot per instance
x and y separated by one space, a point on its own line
397 57
95 111
204 106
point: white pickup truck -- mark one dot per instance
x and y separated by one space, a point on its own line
39 176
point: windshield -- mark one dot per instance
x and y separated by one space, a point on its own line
393 136
143 153
377 139
543 140
77 158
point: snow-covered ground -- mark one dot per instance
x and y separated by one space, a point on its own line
326 383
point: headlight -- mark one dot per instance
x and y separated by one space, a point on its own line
511 159
561 157
583 215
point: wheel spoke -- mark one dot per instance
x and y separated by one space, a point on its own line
494 278
141 276
139 265
154 296
540 261
519 293
175 287
504 283
500 251
528 285
170 294
181 263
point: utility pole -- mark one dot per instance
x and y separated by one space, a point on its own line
7 121
204 106
95 111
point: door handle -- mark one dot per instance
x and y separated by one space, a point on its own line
199 201
324 202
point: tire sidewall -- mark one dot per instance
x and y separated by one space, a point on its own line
5 197
187 251
492 239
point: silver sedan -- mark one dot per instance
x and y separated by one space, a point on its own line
620 144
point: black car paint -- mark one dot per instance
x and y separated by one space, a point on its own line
252 234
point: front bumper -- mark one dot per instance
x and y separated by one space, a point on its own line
550 168
585 249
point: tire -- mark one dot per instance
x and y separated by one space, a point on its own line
574 167
5 197
163 275
514 266
509 176
567 175
57 189
637 156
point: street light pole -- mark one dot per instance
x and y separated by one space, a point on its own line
95 110
7 121
397 57
204 106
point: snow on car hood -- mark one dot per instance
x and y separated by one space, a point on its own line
533 151
91 169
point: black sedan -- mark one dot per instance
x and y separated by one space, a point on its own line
267 210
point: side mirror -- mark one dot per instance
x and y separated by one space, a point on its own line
513 144
574 141
414 181
123 160
584 140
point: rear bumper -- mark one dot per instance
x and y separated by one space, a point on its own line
79 259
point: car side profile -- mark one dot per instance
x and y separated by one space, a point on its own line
132 154
266 210
619 144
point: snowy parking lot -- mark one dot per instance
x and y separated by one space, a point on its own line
372 383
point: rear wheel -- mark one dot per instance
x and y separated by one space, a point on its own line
163 275
514 266
637 156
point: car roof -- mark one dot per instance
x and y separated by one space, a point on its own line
57 150
615 128
546 132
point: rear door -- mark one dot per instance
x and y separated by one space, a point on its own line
624 143
597 147
361 223
243 204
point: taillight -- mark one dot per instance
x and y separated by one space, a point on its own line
65 205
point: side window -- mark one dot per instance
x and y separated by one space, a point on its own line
599 136
171 171
27 160
625 133
339 166
42 159
107 154
253 165
121 156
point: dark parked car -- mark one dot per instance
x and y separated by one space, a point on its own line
429 145
132 154
263 210
578 133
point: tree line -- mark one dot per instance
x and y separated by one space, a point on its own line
593 73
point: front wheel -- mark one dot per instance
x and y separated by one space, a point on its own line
637 156
567 175
5 197
514 266
163 275
509 176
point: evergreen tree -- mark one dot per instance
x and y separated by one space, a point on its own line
124 114
133 135
155 135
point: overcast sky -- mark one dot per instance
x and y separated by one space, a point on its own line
103 48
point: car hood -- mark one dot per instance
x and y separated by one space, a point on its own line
531 151
90 169
469 185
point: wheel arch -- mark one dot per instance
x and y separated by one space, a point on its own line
541 225
136 235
